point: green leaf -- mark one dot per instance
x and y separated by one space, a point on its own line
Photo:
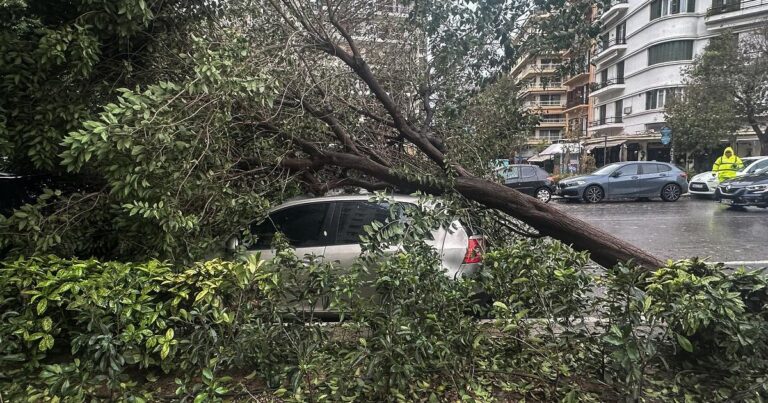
684 342
42 305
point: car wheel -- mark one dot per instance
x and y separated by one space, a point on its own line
671 192
593 194
543 194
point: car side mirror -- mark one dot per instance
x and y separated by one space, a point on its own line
233 243
616 174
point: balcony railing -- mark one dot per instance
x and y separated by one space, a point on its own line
606 121
574 102
552 120
604 45
606 83
615 2
727 7
544 104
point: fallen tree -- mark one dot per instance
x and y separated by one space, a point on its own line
325 41
219 114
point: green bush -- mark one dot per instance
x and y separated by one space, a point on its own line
78 330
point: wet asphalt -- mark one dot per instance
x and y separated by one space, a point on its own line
686 228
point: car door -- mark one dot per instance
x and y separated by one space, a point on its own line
350 218
529 181
306 226
512 177
648 182
623 182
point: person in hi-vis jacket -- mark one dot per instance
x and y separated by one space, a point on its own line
727 165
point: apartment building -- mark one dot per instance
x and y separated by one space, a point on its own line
639 60
542 92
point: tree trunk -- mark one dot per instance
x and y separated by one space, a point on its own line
604 248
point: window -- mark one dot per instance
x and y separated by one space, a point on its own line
528 172
621 33
303 225
660 8
670 51
550 100
618 108
353 216
650 168
603 112
627 170
655 168
512 173
550 134
657 99
552 119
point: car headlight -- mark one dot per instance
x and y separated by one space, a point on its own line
575 183
758 188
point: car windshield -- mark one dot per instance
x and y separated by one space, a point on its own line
605 170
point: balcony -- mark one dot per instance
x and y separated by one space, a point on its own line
616 9
736 13
575 103
607 123
534 69
577 76
552 122
543 105
606 86
609 48
541 88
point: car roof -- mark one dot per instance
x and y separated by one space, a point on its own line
362 197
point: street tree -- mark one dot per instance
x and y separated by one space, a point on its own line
726 89
230 109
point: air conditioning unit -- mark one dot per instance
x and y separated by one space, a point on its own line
627 110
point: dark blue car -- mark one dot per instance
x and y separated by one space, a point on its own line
627 180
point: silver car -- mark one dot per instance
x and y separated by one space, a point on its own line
329 228
626 180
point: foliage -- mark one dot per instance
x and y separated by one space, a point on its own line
149 170
82 329
725 91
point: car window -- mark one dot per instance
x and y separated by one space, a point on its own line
353 216
664 168
303 225
650 168
512 173
605 170
528 172
758 165
628 170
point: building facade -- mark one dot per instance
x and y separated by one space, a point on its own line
639 62
542 92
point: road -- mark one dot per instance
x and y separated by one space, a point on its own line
686 228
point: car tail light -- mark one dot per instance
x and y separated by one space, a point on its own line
474 251
683 175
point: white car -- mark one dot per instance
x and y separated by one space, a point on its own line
704 184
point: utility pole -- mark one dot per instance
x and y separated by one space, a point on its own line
605 149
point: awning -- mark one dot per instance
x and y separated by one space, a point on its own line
561 148
539 158
609 143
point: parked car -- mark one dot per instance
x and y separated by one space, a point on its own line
330 228
529 179
745 190
705 183
634 179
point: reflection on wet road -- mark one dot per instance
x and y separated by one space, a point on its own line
687 228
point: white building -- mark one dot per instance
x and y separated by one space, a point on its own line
642 50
